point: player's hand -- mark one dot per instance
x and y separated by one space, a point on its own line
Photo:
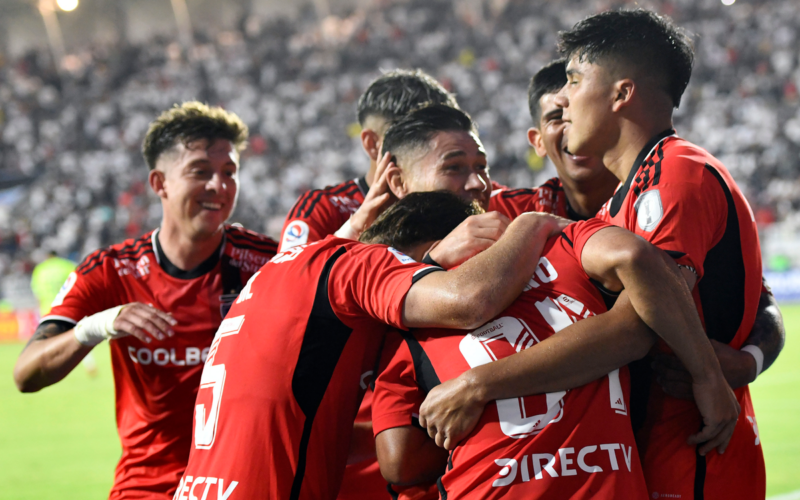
738 367
450 412
471 237
378 199
144 322
720 411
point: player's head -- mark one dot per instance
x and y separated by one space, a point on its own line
623 65
547 134
437 148
392 96
193 154
419 219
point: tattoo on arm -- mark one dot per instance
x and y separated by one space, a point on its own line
50 329
768 332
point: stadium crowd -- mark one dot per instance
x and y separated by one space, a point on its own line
295 83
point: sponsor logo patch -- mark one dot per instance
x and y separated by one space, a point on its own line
296 234
403 258
65 288
649 210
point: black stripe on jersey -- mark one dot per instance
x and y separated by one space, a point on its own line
674 254
722 289
440 487
392 493
513 193
92 261
641 373
323 342
299 204
313 203
424 272
699 474
569 241
426 375
253 239
619 196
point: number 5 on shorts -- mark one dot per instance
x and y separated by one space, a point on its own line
213 378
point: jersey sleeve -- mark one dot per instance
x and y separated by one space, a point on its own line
578 233
397 396
683 218
85 292
312 218
372 281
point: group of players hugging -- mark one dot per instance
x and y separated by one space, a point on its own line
422 332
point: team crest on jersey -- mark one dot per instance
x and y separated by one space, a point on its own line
296 234
649 210
403 258
65 288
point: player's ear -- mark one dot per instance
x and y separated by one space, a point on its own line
396 181
624 90
536 140
156 180
371 142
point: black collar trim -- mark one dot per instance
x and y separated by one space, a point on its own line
361 182
572 214
176 272
619 196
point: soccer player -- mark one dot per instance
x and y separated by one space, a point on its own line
626 72
159 298
321 212
285 374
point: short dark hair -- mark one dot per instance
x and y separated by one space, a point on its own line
189 122
418 218
650 42
394 94
547 80
417 128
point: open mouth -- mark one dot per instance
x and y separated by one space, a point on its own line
211 206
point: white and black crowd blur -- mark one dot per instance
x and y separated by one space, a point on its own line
295 83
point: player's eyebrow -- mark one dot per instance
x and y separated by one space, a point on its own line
573 71
458 152
554 113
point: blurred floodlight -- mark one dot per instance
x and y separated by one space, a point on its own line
728 2
70 5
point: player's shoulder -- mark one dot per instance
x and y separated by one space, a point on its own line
131 249
310 200
245 239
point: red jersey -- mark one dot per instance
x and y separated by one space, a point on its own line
569 444
156 384
321 212
548 198
292 356
683 200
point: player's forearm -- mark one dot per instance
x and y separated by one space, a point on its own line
46 361
484 285
662 299
574 356
768 332
407 456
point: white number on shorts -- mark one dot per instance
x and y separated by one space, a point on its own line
205 427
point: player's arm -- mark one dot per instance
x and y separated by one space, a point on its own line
739 366
57 347
483 286
407 456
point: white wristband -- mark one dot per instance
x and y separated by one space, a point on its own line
96 328
757 354
347 232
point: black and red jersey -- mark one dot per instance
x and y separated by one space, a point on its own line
285 375
684 201
570 444
321 212
156 383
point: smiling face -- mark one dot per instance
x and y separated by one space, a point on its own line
199 185
587 100
549 140
455 161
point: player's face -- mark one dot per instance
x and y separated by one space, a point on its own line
549 138
456 162
201 184
587 101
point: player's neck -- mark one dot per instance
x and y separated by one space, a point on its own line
632 138
586 198
184 252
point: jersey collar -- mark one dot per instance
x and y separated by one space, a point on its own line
361 182
619 196
176 272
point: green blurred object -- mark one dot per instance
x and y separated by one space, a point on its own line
779 263
49 276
